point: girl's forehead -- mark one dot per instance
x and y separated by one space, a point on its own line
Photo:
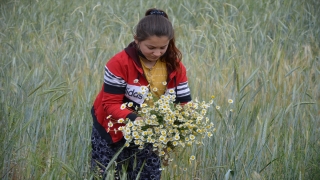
157 41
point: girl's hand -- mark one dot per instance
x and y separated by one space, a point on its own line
139 118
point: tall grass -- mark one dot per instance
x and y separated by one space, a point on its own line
262 54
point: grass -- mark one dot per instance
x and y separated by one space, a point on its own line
262 54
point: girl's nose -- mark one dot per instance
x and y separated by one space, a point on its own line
157 53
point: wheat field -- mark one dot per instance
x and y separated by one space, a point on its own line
264 55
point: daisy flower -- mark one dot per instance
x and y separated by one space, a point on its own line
130 124
110 124
162 138
148 121
137 142
176 137
135 133
165 107
123 106
121 120
173 96
144 111
130 104
199 130
162 153
175 143
185 169
230 101
163 132
164 83
144 88
127 131
127 137
155 89
192 137
171 91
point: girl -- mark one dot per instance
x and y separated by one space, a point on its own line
152 60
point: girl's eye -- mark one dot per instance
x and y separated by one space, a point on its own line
151 48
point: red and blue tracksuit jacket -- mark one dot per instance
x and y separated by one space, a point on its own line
120 85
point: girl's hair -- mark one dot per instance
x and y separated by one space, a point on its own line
156 23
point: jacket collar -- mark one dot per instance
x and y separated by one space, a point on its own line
132 52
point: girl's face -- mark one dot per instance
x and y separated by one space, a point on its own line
153 47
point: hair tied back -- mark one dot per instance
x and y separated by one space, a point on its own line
157 12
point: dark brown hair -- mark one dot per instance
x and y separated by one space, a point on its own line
156 23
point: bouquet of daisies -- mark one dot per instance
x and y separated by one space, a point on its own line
168 126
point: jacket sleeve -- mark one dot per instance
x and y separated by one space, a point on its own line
115 82
182 89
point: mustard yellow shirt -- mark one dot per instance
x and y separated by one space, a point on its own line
157 77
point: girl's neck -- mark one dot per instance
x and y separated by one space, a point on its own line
149 64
